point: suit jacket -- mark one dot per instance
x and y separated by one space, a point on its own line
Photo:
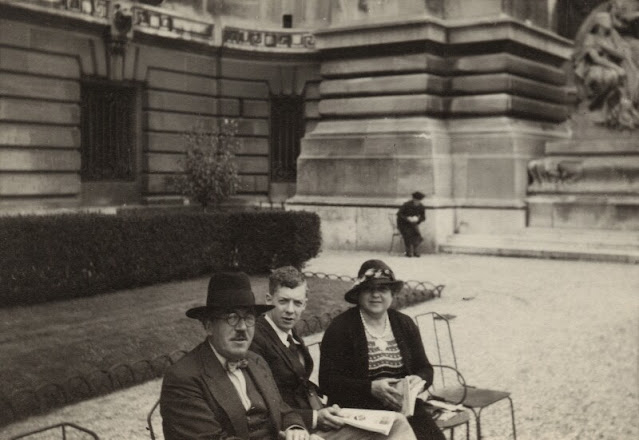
198 400
343 373
289 373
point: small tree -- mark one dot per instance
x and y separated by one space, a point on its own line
210 168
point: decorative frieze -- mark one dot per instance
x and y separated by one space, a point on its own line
146 19
260 39
163 21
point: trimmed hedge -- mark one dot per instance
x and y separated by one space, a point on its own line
45 258
269 239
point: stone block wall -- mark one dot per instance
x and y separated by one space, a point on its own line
181 85
39 114
453 109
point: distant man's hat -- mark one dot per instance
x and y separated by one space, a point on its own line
418 195
373 273
228 290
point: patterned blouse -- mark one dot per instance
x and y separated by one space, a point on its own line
384 361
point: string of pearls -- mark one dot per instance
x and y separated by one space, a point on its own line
379 339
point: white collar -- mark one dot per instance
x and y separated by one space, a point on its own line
220 358
278 331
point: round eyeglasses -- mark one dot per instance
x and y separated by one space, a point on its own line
233 319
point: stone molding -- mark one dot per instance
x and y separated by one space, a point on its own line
162 22
445 32
392 202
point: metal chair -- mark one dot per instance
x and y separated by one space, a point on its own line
459 418
473 398
392 218
448 423
149 420
63 427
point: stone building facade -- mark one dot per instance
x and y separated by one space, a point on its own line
345 107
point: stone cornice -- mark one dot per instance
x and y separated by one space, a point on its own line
165 23
430 29
377 33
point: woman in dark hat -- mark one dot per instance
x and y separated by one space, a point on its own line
409 216
367 349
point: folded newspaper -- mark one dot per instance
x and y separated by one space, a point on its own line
410 389
444 405
369 419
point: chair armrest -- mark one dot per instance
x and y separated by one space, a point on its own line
447 394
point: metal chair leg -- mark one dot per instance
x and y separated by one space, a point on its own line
512 419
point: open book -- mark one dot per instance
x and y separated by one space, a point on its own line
369 419
410 389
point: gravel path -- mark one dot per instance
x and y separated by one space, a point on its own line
562 336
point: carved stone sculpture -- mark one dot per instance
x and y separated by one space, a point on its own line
607 63
554 170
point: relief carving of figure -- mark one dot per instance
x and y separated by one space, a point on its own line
554 170
607 63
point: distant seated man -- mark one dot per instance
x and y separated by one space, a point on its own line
219 390
279 344
409 216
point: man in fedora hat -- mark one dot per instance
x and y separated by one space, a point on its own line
291 363
409 216
220 390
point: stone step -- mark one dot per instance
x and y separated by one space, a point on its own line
580 244
545 236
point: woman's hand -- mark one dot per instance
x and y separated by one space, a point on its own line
384 390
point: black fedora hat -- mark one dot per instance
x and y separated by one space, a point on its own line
228 290
418 195
373 273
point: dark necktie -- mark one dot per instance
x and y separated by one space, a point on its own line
292 346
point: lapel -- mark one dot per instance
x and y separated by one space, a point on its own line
360 343
223 391
291 361
259 373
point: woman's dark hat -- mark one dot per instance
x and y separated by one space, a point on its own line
418 195
228 290
373 273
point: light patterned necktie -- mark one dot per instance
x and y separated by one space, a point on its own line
234 365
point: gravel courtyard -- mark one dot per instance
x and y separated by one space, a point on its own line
562 336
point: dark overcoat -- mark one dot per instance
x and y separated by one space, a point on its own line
198 400
290 375
343 373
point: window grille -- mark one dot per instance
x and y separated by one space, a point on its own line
108 134
287 129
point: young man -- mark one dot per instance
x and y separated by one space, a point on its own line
279 344
409 216
220 390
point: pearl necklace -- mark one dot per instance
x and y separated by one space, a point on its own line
380 339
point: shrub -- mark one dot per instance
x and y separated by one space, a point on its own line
266 240
210 169
46 258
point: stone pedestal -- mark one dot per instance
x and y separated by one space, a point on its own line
455 109
586 183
